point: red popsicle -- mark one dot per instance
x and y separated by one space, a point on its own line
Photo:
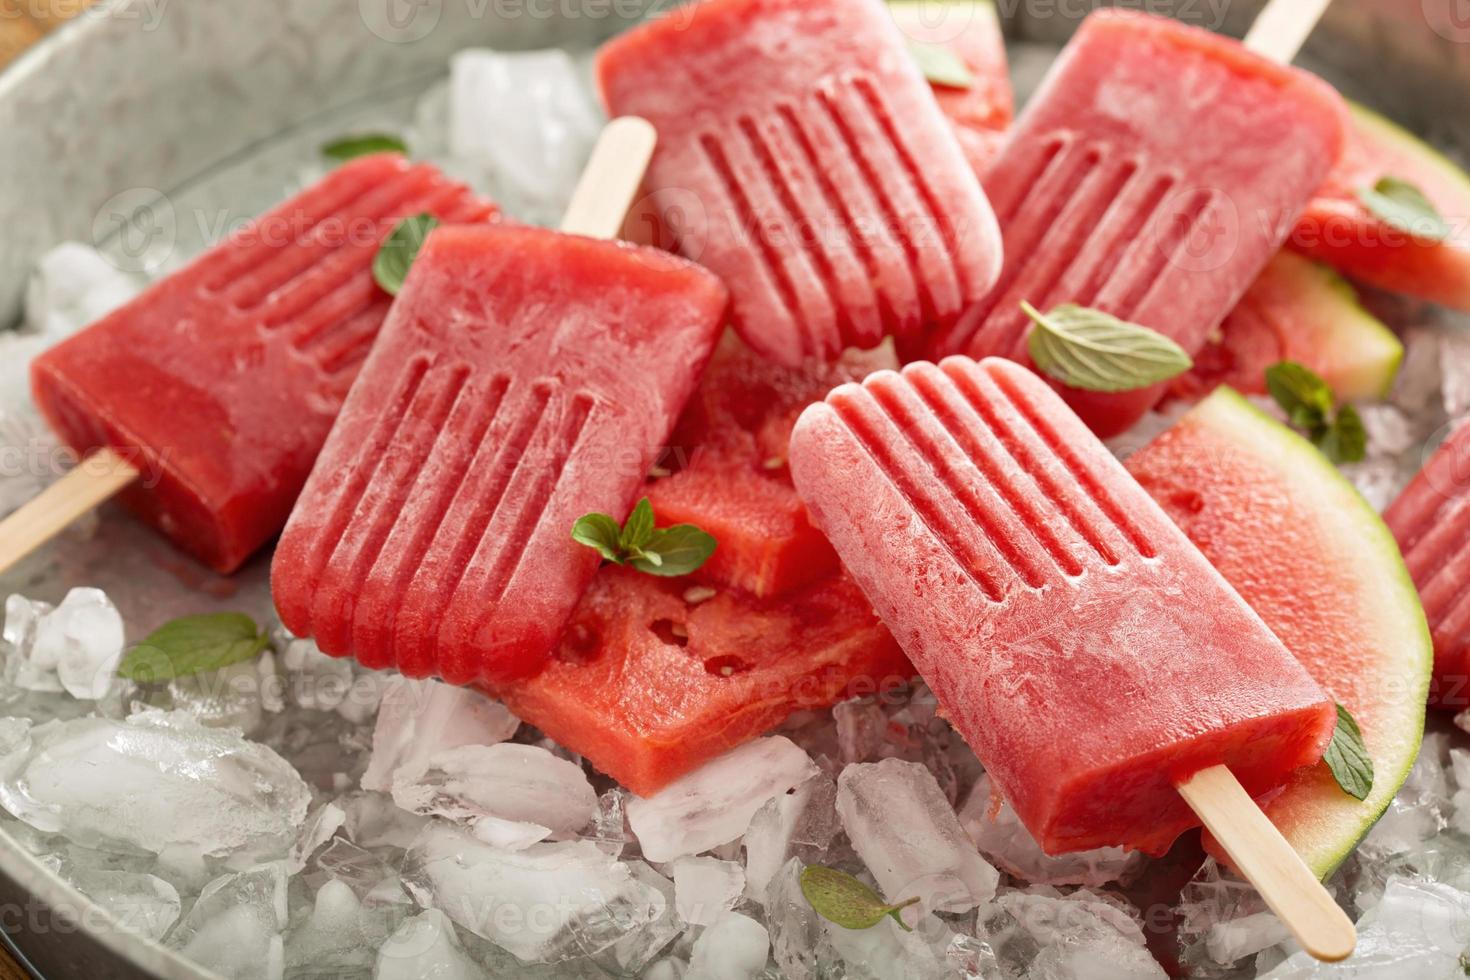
215 388
1152 177
524 378
803 158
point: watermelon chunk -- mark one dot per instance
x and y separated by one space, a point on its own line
1310 556
649 686
1297 310
1339 230
729 457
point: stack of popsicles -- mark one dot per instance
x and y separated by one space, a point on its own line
1095 661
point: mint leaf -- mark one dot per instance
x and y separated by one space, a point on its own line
1094 351
840 898
399 249
667 552
638 528
600 532
1400 204
192 645
675 551
1309 405
940 65
349 147
1348 757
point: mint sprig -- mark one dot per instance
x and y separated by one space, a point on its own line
1347 756
1095 351
351 147
940 65
1311 407
668 552
192 645
398 251
840 898
1402 205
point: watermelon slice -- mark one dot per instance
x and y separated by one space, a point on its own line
1309 554
970 30
1297 310
649 686
1339 230
728 455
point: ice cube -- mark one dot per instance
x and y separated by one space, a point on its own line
526 118
609 828
799 939
374 820
72 285
1418 929
140 902
235 927
639 946
1074 935
714 804
735 947
157 780
425 947
232 697
319 828
506 782
907 834
886 951
509 835
339 936
1417 813
997 831
419 719
861 726
546 903
798 824
74 647
706 887
314 680
1223 919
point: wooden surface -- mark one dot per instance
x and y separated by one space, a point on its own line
23 23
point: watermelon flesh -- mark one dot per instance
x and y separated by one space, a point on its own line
649 686
1310 556
729 457
1297 310
1339 230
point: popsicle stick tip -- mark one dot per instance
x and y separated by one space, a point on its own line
92 482
1283 28
1265 859
612 178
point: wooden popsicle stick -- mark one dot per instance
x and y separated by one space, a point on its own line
612 178
91 483
1268 862
1283 27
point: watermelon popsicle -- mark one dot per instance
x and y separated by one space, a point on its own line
1152 177
803 159
524 379
1096 662
206 399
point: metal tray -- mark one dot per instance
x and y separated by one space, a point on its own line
207 108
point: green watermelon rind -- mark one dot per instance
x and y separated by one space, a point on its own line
1405 657
1391 132
1361 328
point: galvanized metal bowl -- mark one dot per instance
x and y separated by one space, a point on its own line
209 105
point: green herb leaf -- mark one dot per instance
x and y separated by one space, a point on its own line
638 529
193 644
1302 394
600 532
840 898
349 147
675 551
1348 757
1094 351
940 65
1309 405
668 552
399 249
1346 440
1399 204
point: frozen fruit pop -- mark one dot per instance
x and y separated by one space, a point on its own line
524 378
803 158
1152 177
1091 656
209 395
1431 520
